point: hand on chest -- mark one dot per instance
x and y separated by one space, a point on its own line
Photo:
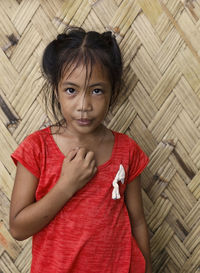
102 147
111 174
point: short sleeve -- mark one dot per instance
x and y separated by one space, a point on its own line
28 154
138 160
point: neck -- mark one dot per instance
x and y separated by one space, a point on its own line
100 132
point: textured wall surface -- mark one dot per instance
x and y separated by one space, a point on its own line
160 109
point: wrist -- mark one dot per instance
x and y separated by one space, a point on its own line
65 187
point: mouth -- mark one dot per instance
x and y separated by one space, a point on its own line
84 121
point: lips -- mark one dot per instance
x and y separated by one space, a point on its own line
84 122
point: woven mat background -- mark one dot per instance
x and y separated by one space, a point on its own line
160 41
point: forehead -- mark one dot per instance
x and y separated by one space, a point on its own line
86 73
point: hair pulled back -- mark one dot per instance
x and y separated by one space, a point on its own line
75 46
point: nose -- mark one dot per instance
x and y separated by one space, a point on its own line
84 103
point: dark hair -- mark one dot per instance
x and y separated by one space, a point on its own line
75 46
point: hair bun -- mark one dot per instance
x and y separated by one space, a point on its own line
108 34
61 37
108 38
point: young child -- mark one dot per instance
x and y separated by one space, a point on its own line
77 189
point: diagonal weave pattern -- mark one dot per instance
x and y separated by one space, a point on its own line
160 109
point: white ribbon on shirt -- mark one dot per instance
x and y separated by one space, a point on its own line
120 176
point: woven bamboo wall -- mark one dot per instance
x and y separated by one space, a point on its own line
160 109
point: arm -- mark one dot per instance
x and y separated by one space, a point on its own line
28 217
133 199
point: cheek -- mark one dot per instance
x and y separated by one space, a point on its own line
66 102
108 101
102 105
65 107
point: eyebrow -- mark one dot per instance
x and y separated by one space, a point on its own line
92 85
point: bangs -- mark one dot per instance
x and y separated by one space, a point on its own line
86 58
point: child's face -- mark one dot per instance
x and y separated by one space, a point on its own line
84 107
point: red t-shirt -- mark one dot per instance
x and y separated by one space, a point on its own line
92 232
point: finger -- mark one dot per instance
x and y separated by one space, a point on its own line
95 170
82 152
93 164
72 154
90 156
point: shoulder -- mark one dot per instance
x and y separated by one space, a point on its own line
34 142
124 140
37 136
125 147
31 151
129 147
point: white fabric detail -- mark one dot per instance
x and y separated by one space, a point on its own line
120 176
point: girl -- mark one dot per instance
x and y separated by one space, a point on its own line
77 188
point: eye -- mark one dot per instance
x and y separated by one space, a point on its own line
70 91
97 91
